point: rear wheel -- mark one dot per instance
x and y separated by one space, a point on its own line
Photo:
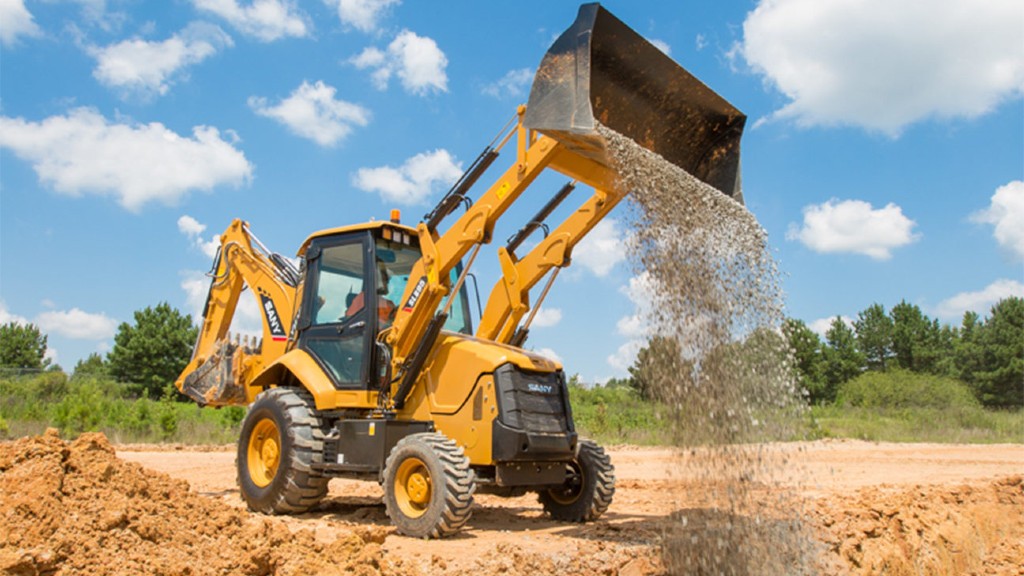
428 486
281 439
588 488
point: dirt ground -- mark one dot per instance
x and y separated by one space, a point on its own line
79 508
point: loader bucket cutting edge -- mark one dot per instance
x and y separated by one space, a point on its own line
600 70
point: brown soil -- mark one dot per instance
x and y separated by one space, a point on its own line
79 508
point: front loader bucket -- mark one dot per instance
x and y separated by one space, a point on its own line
600 70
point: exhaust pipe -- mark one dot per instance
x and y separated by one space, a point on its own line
600 70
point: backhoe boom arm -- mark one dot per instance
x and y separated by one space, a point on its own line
220 370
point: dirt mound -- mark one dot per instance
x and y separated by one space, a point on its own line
77 509
970 529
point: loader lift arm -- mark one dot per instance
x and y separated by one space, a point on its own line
416 326
509 300
220 370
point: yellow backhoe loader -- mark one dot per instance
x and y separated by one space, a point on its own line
369 366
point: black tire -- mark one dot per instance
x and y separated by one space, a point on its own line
428 486
290 486
588 489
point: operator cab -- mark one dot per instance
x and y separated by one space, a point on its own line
355 280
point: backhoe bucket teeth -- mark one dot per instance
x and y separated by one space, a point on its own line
214 383
600 70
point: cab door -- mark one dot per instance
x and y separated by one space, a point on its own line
336 328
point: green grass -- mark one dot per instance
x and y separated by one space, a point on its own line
29 405
617 415
608 414
942 425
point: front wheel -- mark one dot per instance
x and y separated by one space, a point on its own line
588 488
281 439
428 486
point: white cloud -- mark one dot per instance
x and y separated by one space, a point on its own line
981 301
854 226
17 22
83 153
601 249
94 12
625 356
661 45
700 42
548 353
312 111
363 15
631 326
191 227
512 85
147 68
77 324
413 181
821 325
546 317
6 317
1006 214
51 355
884 64
640 290
416 60
266 20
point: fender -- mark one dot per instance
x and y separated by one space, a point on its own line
299 366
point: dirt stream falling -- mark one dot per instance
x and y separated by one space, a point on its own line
713 309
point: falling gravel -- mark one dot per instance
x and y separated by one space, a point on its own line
716 359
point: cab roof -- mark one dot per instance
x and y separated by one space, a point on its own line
372 225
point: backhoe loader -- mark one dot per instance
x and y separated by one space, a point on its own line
369 366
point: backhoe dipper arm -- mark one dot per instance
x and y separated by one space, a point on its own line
509 299
218 373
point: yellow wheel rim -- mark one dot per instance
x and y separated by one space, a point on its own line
413 488
264 452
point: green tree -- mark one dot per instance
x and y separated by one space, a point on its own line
919 344
1000 380
947 339
150 353
22 346
657 368
874 336
807 352
969 353
841 358
93 365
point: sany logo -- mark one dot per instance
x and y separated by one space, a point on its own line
415 296
542 388
273 320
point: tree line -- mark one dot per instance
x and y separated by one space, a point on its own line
147 356
986 354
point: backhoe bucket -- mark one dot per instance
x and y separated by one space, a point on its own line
600 70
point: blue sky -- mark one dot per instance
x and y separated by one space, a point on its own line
884 151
